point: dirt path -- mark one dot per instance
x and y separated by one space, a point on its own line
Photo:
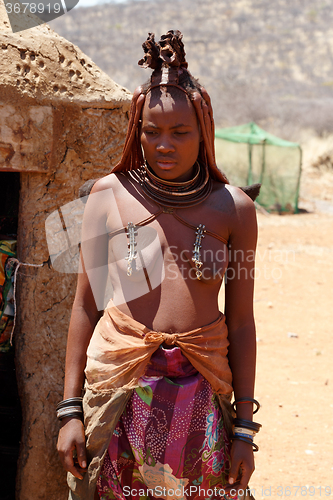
294 317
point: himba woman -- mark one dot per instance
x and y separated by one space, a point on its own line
161 362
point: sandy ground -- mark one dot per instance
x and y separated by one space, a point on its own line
293 310
294 317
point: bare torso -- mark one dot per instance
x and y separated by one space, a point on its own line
163 291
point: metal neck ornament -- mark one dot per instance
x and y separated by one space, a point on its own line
196 251
170 196
175 194
131 252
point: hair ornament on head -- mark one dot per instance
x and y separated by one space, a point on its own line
167 60
169 50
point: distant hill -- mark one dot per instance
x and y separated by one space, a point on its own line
262 60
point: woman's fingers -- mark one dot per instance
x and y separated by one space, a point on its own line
246 473
234 471
69 464
242 467
81 454
72 447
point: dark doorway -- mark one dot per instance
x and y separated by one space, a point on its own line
10 413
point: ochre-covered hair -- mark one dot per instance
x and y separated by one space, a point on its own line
167 59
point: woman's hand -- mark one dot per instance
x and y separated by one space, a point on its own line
242 467
72 446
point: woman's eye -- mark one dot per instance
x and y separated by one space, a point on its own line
151 132
180 133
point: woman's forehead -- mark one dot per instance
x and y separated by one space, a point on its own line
171 100
165 93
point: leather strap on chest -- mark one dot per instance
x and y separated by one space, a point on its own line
171 211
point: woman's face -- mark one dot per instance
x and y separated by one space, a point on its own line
170 134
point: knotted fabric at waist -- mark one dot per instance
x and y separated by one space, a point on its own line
160 337
121 347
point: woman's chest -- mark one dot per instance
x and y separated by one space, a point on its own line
179 243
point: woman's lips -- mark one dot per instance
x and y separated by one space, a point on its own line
165 164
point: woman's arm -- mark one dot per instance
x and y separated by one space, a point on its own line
83 321
239 285
86 312
84 318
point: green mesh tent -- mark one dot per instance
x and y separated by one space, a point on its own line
247 155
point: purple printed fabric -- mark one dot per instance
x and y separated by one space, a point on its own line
170 442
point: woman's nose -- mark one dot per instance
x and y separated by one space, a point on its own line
165 145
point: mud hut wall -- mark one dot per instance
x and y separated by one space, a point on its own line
85 142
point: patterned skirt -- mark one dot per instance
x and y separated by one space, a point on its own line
170 442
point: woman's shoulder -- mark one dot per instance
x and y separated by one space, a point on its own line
243 219
110 181
232 198
239 197
102 192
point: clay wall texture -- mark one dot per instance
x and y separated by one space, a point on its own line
62 122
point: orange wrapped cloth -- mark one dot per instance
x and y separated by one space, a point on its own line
121 348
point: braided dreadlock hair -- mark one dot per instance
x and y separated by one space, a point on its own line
167 60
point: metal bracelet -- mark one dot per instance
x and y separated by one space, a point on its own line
70 411
246 440
247 432
247 424
69 402
246 400
72 415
